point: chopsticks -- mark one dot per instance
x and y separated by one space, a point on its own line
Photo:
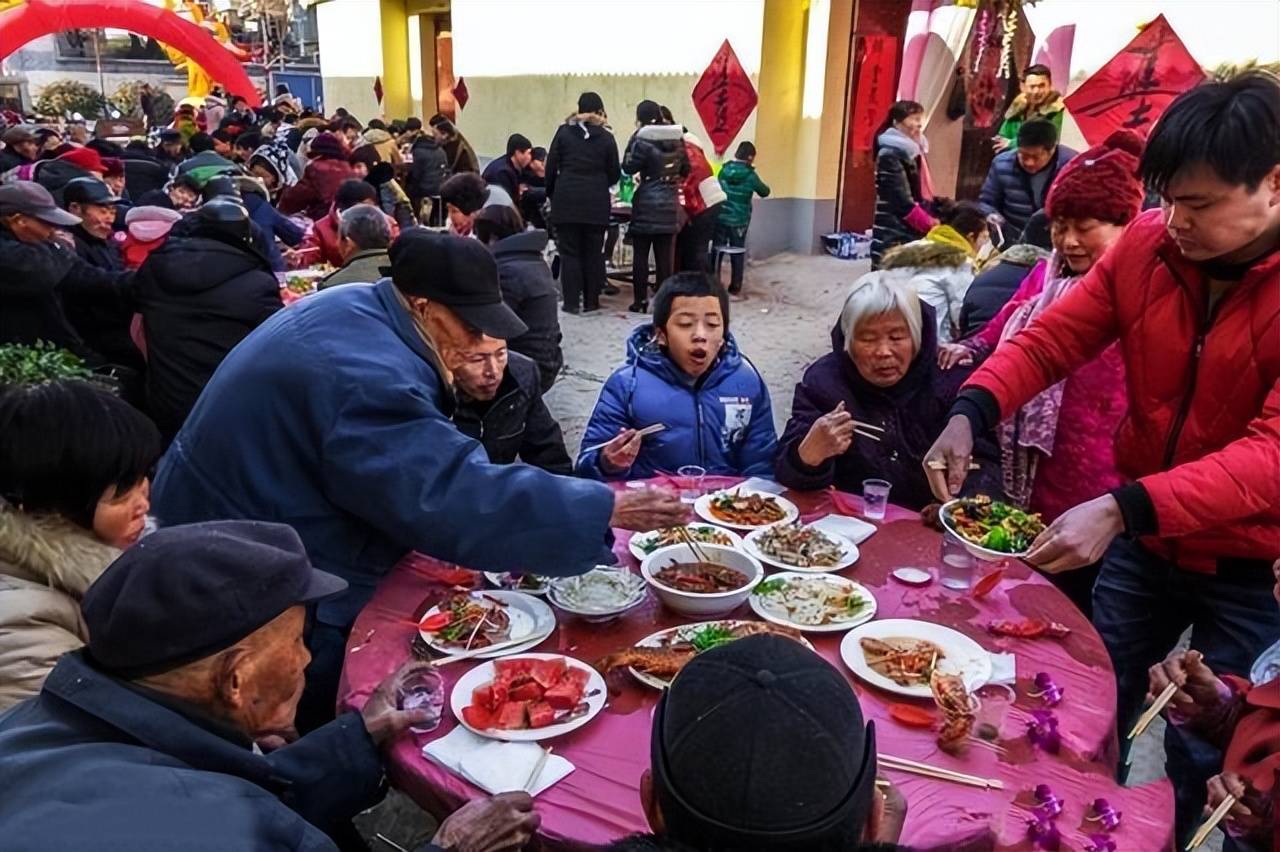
475 652
537 770
648 430
866 430
888 761
390 842
939 464
1202 833
698 552
1153 711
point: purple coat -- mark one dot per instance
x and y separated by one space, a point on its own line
913 413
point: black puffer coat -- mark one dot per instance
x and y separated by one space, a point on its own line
656 155
897 194
199 295
516 422
104 325
582 163
528 289
429 170
995 286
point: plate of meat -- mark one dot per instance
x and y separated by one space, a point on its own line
743 509
901 655
528 698
469 620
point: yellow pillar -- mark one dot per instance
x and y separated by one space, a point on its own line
781 85
397 101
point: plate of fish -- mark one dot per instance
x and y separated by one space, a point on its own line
815 603
468 621
642 544
901 655
742 509
801 547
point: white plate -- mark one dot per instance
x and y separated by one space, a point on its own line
752 546
638 596
703 507
735 540
595 695
498 580
868 613
977 550
529 617
654 640
961 655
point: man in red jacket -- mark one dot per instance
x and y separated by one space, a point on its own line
1192 295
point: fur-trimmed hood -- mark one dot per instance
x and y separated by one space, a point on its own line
661 133
587 118
1023 254
924 254
1019 108
51 551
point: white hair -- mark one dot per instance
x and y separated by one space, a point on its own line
878 293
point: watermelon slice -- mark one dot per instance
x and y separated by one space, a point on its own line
511 716
548 672
528 691
482 696
513 669
477 717
568 691
541 714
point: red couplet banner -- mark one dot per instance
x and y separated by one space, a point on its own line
724 97
876 55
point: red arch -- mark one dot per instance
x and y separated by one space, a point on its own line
20 24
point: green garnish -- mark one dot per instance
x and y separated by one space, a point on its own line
712 636
768 587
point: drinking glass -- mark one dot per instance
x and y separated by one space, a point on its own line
690 478
957 564
875 498
424 690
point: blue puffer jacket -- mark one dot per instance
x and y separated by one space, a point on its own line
723 422
1007 190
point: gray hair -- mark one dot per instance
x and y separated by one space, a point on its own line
876 294
366 226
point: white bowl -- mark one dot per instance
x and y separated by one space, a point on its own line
694 603
983 553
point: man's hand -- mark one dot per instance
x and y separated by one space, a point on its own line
954 355
891 812
505 821
618 455
382 717
1199 692
1251 817
954 448
828 437
999 143
1078 537
647 509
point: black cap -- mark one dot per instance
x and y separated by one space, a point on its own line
220 186
170 135
187 592
590 102
226 216
760 743
456 272
88 190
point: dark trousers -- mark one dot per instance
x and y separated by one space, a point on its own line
581 264
663 246
736 236
693 245
1141 605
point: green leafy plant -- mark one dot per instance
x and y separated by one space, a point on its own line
64 97
39 363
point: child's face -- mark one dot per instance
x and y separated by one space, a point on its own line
694 333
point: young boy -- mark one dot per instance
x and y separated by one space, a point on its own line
739 181
684 371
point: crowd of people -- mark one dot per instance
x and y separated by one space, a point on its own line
187 539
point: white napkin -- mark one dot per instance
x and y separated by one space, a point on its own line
493 765
1004 670
757 483
851 528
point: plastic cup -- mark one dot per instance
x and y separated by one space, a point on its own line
690 477
875 498
423 691
957 564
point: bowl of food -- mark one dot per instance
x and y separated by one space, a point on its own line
603 593
704 581
990 529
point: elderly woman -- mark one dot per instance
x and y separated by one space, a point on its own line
73 493
882 371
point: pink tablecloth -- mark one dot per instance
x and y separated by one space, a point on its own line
600 800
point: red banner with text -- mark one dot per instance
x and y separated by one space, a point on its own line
877 63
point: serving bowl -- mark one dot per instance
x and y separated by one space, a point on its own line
984 553
556 594
699 604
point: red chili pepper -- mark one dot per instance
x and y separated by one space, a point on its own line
911 715
432 623
983 587
1027 628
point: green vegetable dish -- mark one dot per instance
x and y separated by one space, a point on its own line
994 525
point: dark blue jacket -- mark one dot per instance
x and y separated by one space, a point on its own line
1007 189
722 422
92 764
331 417
275 225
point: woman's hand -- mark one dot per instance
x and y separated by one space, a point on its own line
1251 817
1200 692
618 455
829 436
954 355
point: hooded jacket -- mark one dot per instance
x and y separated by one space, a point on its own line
739 181
722 421
940 274
656 155
529 290
516 424
363 267
899 218
199 295
385 144
582 163
461 156
995 285
429 169
313 194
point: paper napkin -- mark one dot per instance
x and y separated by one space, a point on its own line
493 765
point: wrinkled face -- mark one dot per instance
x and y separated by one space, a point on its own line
267 175
120 516
268 681
480 368
1082 242
1210 218
538 167
1036 87
882 349
912 125
520 159
29 229
97 219
183 197
452 337
694 333
1033 158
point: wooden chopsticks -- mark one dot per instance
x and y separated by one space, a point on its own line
1219 813
537 771
648 430
698 552
475 652
902 764
1153 711
867 430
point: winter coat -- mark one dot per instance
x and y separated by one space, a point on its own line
739 182
529 290
582 163
10 159
323 238
1020 112
313 194
46 563
502 172
103 325
940 274
899 218
207 165
913 413
429 169
363 267
388 473
143 174
722 421
656 155
199 296
995 285
1008 191
516 422
701 190
54 175
385 145
136 770
42 283
1201 438
1253 744
460 156
275 226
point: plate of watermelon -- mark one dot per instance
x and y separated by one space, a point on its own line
528 698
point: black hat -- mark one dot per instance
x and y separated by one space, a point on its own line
187 592
761 742
458 273
88 190
170 135
648 112
590 102
224 216
220 186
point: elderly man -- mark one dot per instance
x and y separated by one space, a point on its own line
20 148
95 204
363 237
348 439
153 735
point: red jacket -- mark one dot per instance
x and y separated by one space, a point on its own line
313 194
323 237
701 188
1201 437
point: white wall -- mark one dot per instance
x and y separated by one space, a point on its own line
350 33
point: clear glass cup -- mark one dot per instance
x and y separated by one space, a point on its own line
423 691
957 564
875 498
690 477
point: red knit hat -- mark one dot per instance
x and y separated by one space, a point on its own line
86 158
1101 183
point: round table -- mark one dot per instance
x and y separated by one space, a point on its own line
599 801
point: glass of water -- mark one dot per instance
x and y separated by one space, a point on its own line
689 477
875 498
424 690
957 564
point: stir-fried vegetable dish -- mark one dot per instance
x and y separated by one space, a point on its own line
994 525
